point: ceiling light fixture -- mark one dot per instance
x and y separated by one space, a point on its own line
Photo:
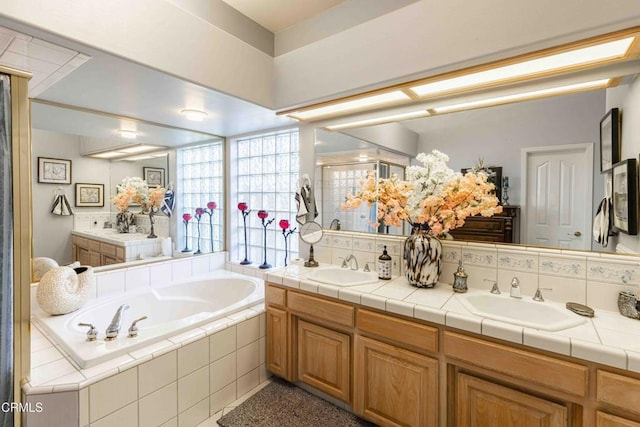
523 96
127 134
562 60
123 151
527 69
352 105
194 115
379 120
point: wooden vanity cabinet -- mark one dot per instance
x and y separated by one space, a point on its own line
95 253
398 371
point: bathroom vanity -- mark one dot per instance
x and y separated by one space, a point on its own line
107 246
396 369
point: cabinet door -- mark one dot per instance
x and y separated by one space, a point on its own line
84 256
394 387
324 359
606 420
481 403
277 344
95 259
108 260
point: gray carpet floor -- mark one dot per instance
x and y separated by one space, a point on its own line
281 404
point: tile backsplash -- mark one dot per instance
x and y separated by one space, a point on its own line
591 278
87 221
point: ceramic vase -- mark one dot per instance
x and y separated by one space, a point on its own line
422 259
123 220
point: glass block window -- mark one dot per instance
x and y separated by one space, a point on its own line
266 177
200 181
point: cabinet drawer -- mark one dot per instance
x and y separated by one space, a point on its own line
398 330
276 296
80 241
107 249
534 368
94 245
322 309
618 390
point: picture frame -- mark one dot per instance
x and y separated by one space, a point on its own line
154 176
494 177
89 195
54 171
610 140
625 196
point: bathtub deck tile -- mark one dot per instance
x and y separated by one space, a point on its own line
150 349
218 325
166 350
188 337
110 366
241 315
51 371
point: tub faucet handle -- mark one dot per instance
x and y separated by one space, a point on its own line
538 296
133 329
92 333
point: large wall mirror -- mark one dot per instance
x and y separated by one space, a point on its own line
69 134
506 136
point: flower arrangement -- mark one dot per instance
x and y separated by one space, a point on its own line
135 190
432 195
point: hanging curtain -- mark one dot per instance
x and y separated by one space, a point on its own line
6 253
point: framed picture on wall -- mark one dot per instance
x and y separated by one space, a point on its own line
625 196
494 176
609 140
89 195
153 176
54 171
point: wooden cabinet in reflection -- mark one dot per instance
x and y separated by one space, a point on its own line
501 228
95 253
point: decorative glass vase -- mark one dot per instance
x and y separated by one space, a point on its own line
123 220
422 258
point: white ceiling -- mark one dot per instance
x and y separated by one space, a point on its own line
276 15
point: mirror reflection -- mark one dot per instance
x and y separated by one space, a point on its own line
559 134
87 232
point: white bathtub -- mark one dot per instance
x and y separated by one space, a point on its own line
170 310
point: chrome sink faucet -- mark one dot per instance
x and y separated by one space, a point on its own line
347 261
113 329
515 288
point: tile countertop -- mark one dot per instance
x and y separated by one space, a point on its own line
608 338
111 235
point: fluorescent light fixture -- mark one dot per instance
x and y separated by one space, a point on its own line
354 104
597 84
380 120
128 134
363 158
194 115
538 66
123 151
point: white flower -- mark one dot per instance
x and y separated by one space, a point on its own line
428 179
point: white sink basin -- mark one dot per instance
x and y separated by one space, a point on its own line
522 312
343 276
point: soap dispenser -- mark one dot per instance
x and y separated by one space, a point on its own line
460 279
384 265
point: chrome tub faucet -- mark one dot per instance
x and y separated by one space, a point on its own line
114 328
